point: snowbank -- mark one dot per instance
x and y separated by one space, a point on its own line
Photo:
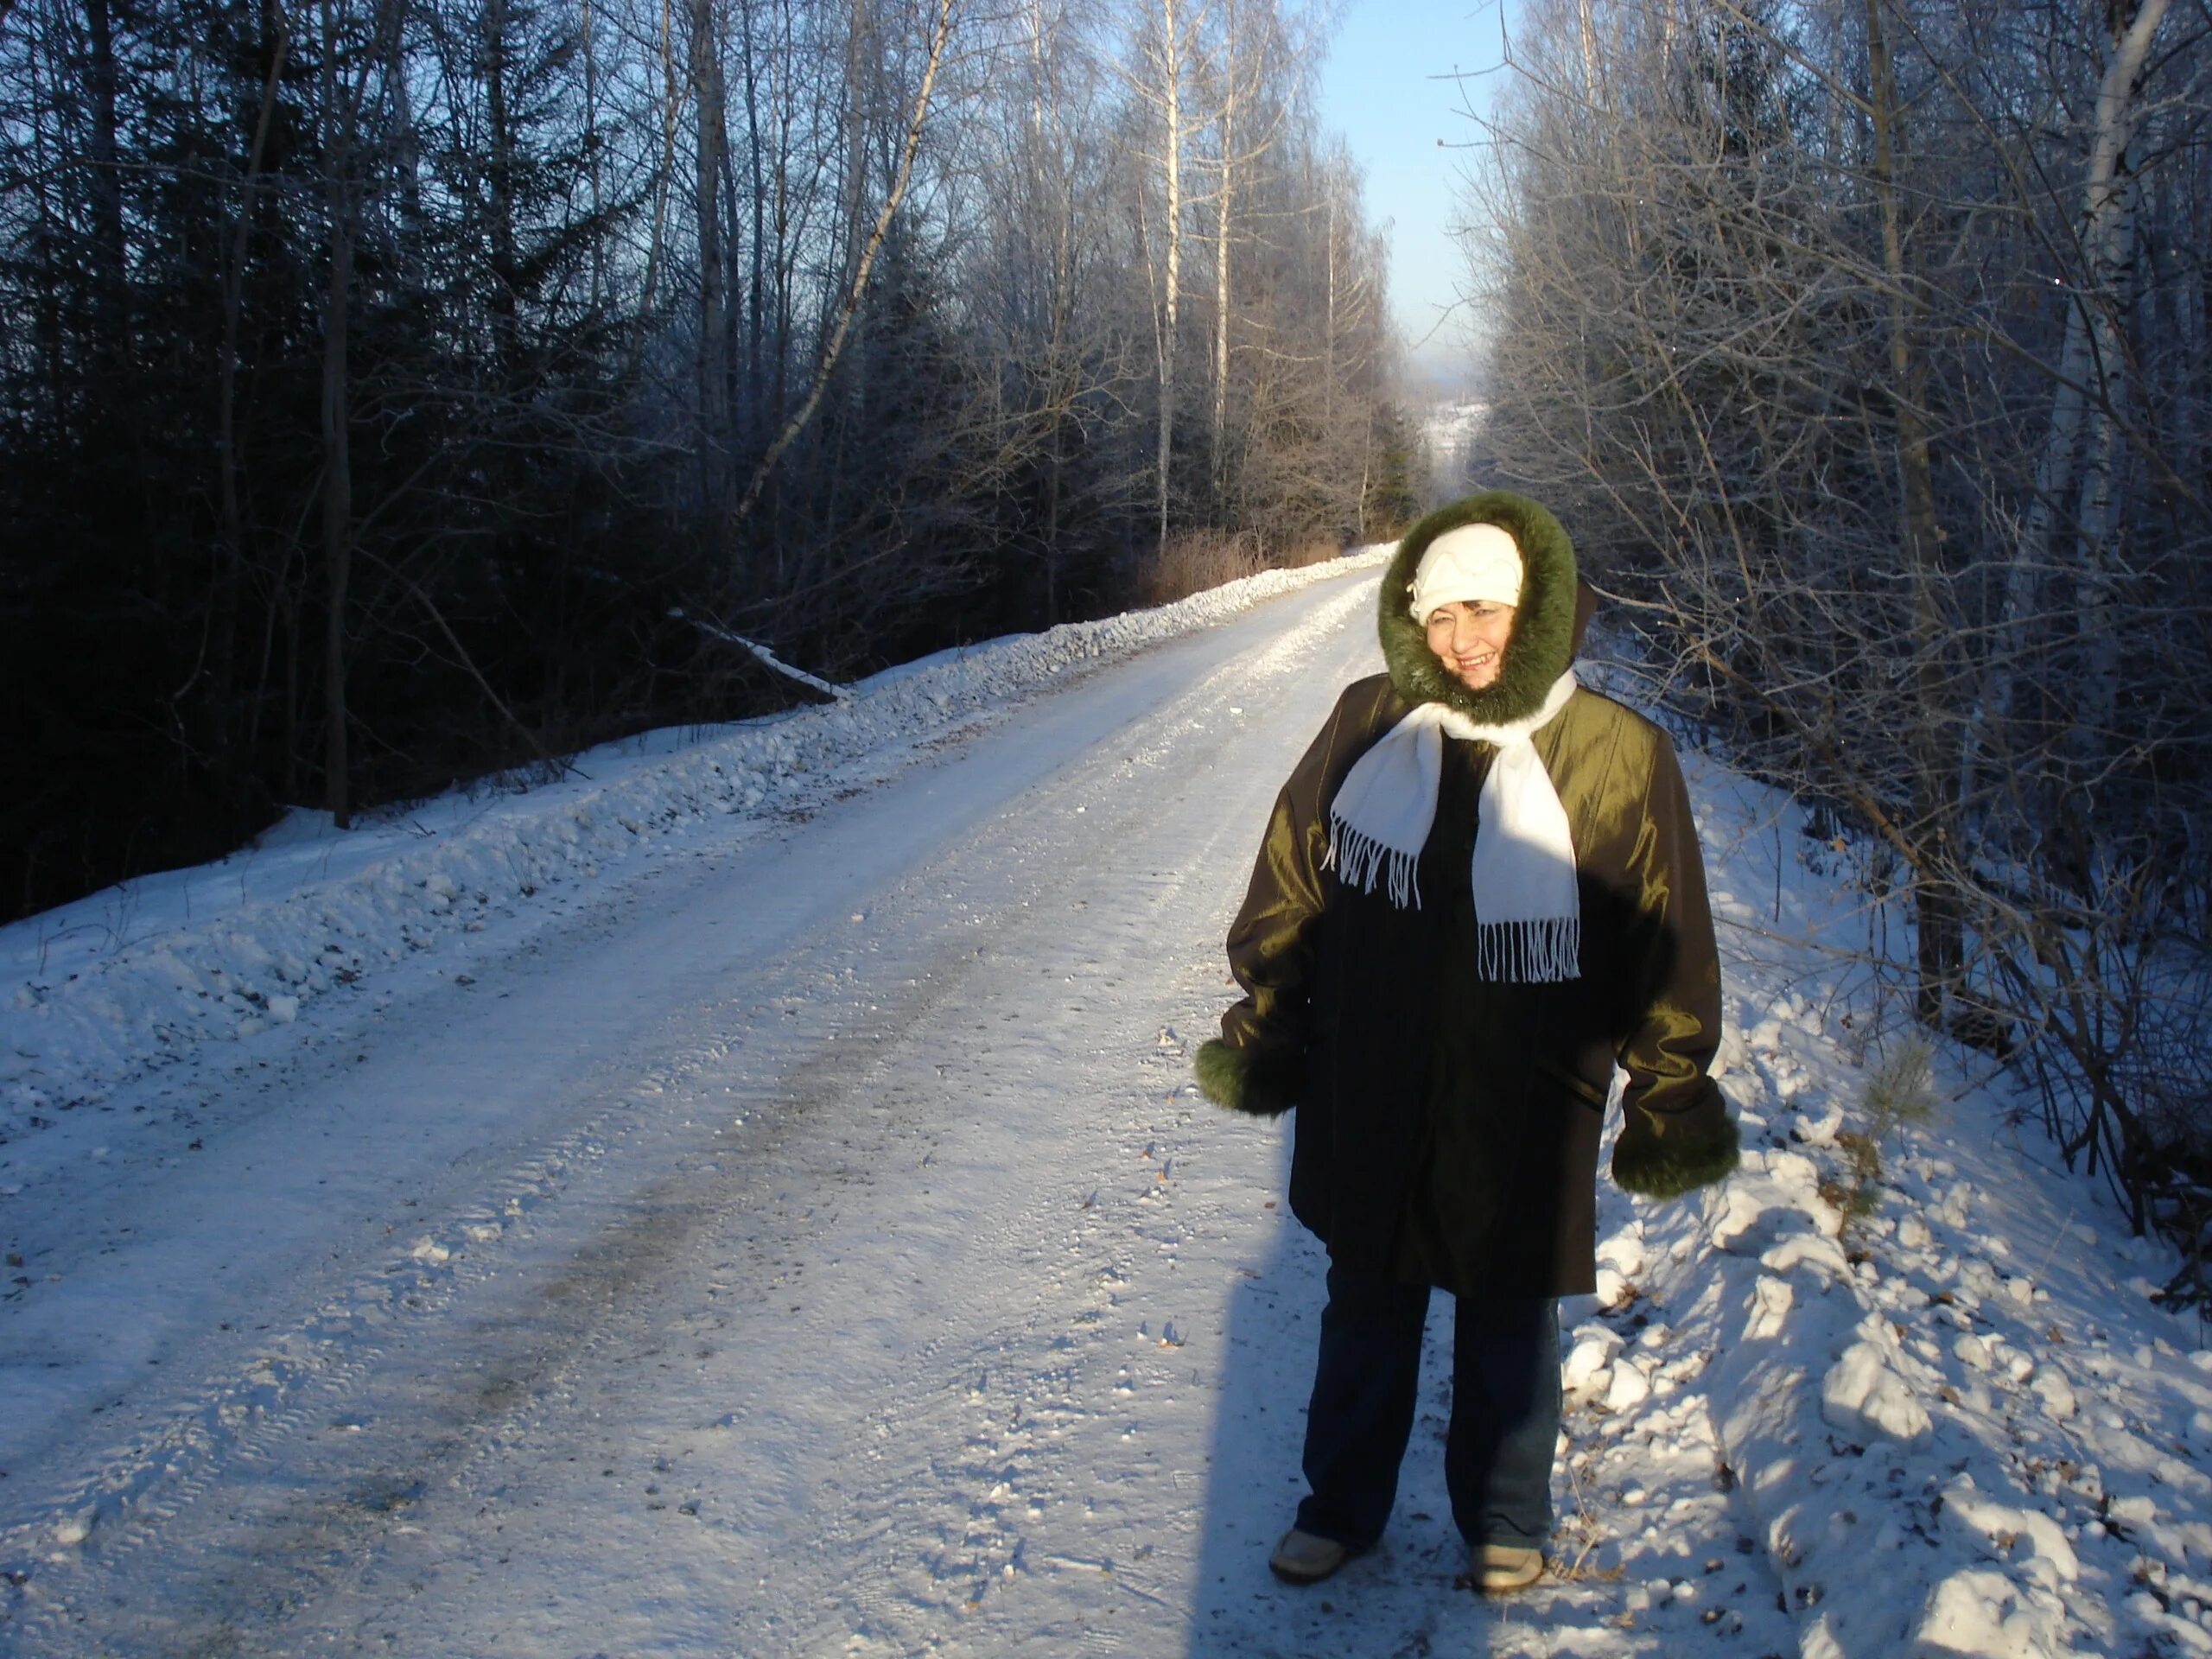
1946 1427
149 973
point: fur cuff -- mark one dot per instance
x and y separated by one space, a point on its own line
1665 1160
1245 1079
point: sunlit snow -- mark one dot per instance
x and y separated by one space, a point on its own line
747 1197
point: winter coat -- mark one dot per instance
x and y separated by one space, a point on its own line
1447 1128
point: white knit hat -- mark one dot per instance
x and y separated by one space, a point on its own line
1473 564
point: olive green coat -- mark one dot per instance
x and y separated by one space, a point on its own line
1448 1127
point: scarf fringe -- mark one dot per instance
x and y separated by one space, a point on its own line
1545 951
1358 858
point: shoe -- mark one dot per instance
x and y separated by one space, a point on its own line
1500 1569
1302 1558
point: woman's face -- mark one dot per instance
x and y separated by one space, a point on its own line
1469 639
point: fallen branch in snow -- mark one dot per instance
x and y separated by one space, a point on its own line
715 631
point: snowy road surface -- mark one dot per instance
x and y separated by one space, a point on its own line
811 1245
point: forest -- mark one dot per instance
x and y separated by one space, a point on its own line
401 392
1864 343
396 392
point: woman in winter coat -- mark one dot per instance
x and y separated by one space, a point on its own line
1480 892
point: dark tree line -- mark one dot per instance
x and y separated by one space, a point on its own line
394 391
1866 340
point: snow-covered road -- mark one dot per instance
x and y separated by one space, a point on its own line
811 1245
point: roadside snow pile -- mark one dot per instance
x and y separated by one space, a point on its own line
1951 1430
79 1021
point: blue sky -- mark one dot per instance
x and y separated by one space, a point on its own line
1387 86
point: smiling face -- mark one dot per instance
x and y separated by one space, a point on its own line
1469 639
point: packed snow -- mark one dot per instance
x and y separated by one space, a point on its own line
748 1196
134 977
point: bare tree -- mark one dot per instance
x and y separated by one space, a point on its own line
940 37
1827 326
419 390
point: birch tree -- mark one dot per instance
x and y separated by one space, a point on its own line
2087 383
1164 77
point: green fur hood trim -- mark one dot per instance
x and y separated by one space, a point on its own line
1543 623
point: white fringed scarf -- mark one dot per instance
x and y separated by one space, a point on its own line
1527 918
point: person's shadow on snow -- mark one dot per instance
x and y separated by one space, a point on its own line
1411 1584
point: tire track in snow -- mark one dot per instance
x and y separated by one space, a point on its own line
1025 1372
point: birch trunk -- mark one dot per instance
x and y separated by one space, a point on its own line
670 105
2107 245
1329 331
1171 90
1047 170
2111 208
1218 445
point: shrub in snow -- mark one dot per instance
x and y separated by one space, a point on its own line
1899 1093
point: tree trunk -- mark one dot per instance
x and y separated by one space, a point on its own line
706 75
1171 90
110 289
276 45
1586 36
406 153
1940 943
1218 443
595 142
2107 241
499 172
756 299
2110 206
2187 302
337 460
940 37
664 176
1329 331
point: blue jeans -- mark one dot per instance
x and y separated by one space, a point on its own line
1505 1406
